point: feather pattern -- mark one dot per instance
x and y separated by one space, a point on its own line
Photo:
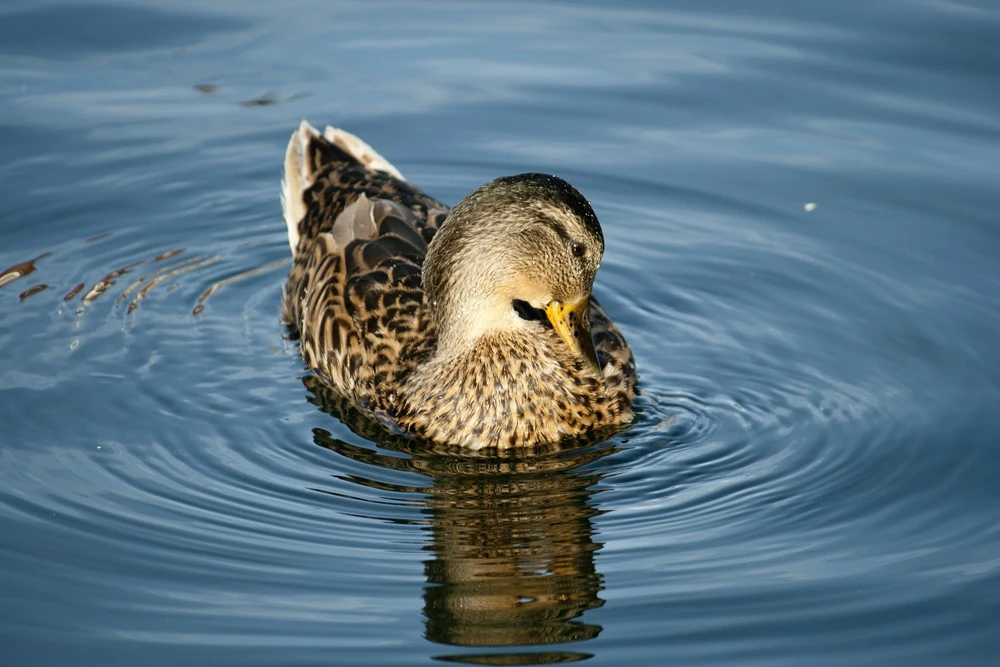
360 235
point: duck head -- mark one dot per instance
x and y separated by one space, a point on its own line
518 248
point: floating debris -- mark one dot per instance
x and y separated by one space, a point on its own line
32 291
168 254
184 267
264 100
107 281
206 88
20 270
159 258
73 292
139 289
810 207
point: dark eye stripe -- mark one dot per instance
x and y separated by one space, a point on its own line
578 249
557 228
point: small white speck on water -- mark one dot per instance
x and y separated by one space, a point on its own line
810 207
98 446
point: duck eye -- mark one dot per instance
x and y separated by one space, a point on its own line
579 250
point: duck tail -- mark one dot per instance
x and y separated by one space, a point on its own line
308 152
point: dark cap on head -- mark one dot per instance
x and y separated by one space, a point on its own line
556 191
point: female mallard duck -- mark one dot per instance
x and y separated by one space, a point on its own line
473 327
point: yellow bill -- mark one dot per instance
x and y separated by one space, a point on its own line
572 323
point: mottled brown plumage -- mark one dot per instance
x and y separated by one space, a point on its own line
467 327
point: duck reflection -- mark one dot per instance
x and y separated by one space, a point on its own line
511 538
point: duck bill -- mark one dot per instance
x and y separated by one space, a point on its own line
572 323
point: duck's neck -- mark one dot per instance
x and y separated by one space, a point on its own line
473 325
485 394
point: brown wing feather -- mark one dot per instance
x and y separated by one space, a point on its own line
354 290
612 349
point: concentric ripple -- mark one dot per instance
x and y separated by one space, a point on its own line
801 250
756 464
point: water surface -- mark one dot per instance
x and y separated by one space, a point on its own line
799 202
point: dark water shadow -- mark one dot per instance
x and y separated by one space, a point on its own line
510 536
69 32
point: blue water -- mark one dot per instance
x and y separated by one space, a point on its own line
800 205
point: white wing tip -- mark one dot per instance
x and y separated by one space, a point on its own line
298 177
360 151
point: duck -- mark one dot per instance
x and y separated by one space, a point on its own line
473 326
